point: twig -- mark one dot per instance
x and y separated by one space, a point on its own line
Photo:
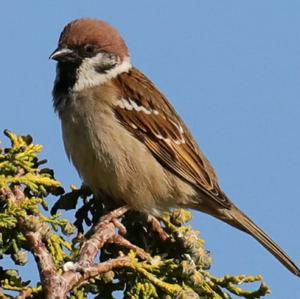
56 285
25 293
50 278
156 226
119 240
84 269
103 231
75 278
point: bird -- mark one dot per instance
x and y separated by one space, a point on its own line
125 138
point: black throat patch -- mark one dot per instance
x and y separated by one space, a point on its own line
67 76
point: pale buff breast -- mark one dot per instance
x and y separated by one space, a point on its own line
109 158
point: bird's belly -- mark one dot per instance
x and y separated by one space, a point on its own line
111 161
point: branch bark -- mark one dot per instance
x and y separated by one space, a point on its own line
56 285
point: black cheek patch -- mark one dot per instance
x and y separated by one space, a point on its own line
103 69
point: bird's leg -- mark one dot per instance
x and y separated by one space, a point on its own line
156 226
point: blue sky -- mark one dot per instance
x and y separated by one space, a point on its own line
232 70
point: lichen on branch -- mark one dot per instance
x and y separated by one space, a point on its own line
107 249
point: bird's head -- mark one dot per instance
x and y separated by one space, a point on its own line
92 51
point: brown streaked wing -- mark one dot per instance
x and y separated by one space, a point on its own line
159 127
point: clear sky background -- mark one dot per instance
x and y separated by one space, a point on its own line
232 70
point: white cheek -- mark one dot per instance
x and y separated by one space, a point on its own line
87 76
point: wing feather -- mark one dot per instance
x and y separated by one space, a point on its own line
147 114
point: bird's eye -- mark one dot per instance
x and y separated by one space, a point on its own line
89 49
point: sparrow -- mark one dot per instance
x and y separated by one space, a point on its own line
125 138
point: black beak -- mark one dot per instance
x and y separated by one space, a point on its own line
61 54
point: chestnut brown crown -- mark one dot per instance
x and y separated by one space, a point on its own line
97 33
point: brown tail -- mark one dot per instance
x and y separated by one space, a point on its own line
238 219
